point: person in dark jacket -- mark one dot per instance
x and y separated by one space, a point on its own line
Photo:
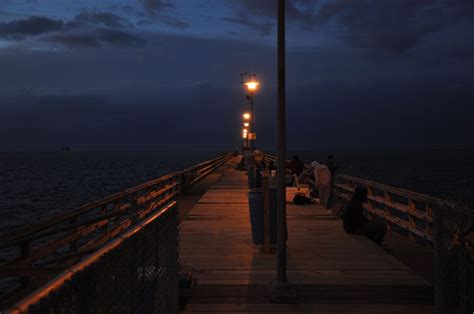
332 168
296 166
331 165
260 166
355 221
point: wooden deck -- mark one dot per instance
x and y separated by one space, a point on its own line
331 271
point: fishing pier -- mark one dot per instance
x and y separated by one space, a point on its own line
183 242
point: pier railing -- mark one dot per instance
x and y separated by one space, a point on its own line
444 226
407 212
40 251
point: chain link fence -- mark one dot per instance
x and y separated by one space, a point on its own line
139 275
454 258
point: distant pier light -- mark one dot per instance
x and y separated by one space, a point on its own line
252 85
245 133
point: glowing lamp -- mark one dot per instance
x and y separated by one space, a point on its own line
246 116
252 85
246 124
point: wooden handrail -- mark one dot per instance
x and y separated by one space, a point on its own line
415 210
395 190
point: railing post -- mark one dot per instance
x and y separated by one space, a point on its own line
74 243
25 250
388 199
369 202
411 221
429 226
266 216
135 208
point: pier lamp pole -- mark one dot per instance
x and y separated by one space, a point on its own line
246 126
252 86
281 153
282 282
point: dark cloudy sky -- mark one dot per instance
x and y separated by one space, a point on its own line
164 74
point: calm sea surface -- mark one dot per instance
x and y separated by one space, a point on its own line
34 185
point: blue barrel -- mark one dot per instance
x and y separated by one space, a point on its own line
256 215
251 176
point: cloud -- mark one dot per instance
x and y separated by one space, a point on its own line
296 10
104 18
31 26
173 22
242 19
116 37
79 32
395 26
75 40
152 6
98 37
166 20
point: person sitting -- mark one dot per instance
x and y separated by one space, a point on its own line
355 221
296 166
260 166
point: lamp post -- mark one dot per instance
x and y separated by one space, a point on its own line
245 137
251 84
245 134
282 289
281 155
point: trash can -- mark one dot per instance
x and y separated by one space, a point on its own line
256 215
251 176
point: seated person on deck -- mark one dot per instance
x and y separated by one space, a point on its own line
356 223
296 166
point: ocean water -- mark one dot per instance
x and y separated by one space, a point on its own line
35 185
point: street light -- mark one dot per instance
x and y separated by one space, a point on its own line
245 137
251 83
246 116
252 86
246 124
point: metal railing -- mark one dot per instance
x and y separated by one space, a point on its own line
134 273
446 227
39 251
454 258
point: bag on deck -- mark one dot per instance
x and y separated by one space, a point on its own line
300 199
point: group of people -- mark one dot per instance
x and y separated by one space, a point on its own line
321 175
354 218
